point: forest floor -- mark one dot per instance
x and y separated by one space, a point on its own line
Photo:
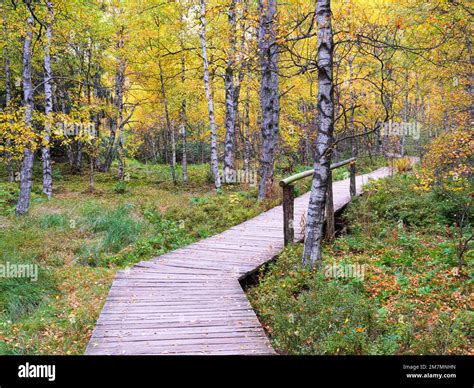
408 300
79 239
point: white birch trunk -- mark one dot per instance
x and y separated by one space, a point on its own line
269 94
315 218
210 102
184 121
48 108
26 173
230 111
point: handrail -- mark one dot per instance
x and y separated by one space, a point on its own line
307 173
289 198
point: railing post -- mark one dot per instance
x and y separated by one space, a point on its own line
289 198
330 222
353 189
288 213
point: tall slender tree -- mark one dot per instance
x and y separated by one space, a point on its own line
322 164
26 173
116 122
269 93
230 111
183 114
210 102
169 125
48 106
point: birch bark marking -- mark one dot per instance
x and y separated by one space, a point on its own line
184 122
210 103
269 93
26 173
230 111
116 121
48 107
247 144
184 119
322 165
119 85
406 113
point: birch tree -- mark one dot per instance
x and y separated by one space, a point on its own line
26 173
48 106
117 120
169 125
183 115
230 104
269 93
322 164
210 102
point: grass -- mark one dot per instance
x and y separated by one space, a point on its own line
410 301
80 239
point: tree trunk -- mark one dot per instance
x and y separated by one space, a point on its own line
116 122
184 121
48 108
109 153
269 94
352 109
247 144
230 103
120 123
406 115
330 219
169 126
26 174
91 173
210 102
316 209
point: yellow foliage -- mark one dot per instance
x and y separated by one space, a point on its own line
402 165
449 162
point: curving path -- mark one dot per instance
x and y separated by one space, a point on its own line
190 301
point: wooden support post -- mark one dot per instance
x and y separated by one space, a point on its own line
353 189
288 199
288 213
330 222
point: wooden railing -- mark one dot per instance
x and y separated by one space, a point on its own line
288 187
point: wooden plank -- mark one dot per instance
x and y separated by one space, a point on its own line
189 301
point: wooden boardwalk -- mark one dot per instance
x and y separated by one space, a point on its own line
190 301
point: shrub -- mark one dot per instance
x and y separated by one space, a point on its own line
402 165
448 172
120 187
392 201
8 198
57 175
312 315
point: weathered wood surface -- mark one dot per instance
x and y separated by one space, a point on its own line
190 301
